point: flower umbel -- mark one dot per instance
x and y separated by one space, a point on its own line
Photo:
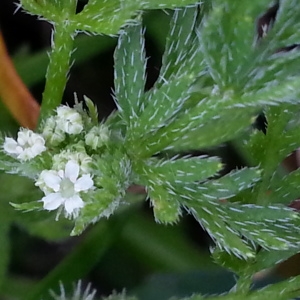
62 188
27 146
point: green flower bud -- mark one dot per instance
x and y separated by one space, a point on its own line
81 158
97 136
53 135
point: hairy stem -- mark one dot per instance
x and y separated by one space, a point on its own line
57 72
59 64
243 284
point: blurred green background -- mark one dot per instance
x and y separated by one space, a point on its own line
127 251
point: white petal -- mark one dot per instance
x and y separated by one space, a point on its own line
25 155
73 203
37 149
63 110
72 170
74 128
23 137
61 173
52 201
84 183
37 139
52 180
10 146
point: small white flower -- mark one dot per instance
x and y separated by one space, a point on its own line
62 188
27 146
97 136
69 120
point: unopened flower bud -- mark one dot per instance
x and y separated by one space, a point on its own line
69 120
51 133
97 136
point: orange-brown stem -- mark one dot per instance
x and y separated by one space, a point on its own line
14 93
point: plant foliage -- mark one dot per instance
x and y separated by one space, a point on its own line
216 77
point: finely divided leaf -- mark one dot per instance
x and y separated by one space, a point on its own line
160 4
287 289
272 227
266 259
27 206
179 170
166 206
231 184
281 138
207 203
225 127
224 236
218 110
162 105
272 70
44 9
278 231
108 16
284 91
130 70
284 189
233 263
227 37
103 17
181 68
286 28
53 11
180 44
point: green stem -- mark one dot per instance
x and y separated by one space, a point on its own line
57 72
243 284
59 65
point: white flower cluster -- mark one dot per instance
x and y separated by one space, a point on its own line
66 121
70 173
27 146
